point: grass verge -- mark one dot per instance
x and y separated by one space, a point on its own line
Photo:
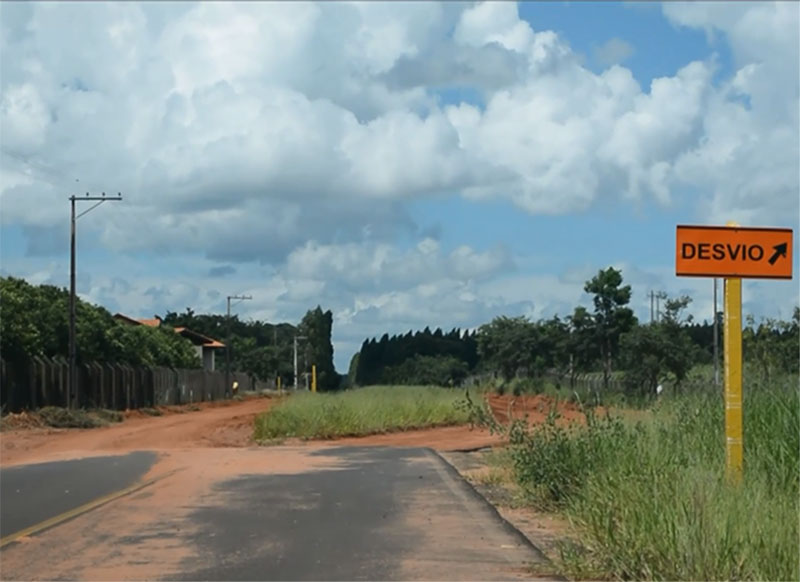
363 411
651 501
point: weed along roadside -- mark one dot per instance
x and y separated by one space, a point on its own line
650 499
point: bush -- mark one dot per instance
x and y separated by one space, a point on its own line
64 418
553 462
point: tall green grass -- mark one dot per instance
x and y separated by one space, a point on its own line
652 499
363 411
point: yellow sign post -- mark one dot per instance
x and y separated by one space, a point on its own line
732 346
313 377
733 252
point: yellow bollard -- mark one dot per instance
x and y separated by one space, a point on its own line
313 377
732 338
279 385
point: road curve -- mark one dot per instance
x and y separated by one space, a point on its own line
32 494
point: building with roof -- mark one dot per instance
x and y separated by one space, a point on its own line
205 346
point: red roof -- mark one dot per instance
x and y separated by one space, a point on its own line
204 340
193 336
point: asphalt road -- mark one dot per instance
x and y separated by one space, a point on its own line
387 514
31 494
272 513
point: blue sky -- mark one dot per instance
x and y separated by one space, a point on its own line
348 156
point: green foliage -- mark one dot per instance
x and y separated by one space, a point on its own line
427 371
611 317
363 411
651 499
378 361
772 346
652 352
34 321
553 462
317 327
508 344
266 350
350 381
261 349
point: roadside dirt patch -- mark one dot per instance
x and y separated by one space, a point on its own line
216 424
446 438
536 407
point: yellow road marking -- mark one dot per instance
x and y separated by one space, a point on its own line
95 503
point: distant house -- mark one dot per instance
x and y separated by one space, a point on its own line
205 346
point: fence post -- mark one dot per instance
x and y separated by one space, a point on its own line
127 379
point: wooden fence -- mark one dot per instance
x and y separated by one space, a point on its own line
44 382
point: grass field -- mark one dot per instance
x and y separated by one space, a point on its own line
362 411
651 500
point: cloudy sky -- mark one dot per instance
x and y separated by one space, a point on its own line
402 164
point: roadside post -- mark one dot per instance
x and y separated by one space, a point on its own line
313 377
733 253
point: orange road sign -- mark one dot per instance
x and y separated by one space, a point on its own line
733 251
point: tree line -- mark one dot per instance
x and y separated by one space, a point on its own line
604 339
266 350
424 357
34 321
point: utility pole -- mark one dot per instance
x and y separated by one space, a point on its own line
297 337
73 399
659 295
716 337
228 340
652 299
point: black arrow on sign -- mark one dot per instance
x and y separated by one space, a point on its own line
780 251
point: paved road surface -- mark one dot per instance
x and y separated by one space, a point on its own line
286 513
30 494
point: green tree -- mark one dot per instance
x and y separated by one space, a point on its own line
772 345
611 317
427 371
507 344
581 345
318 326
34 321
651 352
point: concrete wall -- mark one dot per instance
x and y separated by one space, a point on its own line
208 359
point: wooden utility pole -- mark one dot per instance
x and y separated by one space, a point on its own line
73 396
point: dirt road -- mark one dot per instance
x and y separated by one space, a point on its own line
221 425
